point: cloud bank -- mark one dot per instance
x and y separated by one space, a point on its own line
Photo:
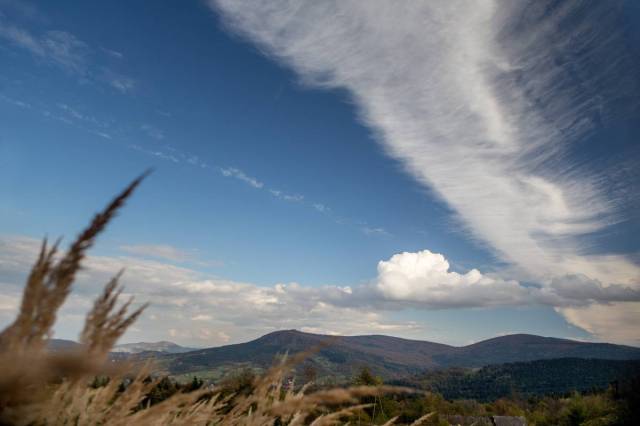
481 103
424 279
190 307
199 309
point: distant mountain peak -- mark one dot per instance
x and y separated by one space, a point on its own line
161 346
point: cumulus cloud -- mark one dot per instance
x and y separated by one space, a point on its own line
481 103
424 277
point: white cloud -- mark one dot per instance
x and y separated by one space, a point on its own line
162 251
477 103
223 337
58 47
66 50
321 208
618 323
75 116
286 197
424 277
374 231
156 153
240 175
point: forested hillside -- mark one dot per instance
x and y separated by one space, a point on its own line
535 378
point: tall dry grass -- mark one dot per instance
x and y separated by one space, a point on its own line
38 387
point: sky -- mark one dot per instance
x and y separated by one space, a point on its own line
430 170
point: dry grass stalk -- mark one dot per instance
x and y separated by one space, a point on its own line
28 367
103 327
49 283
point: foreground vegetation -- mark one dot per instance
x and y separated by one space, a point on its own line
617 405
611 407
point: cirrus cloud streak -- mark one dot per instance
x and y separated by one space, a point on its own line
482 104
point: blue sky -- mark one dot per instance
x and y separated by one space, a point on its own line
336 168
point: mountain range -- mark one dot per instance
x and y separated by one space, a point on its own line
126 348
340 357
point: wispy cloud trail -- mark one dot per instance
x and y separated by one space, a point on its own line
176 156
58 47
240 175
287 197
66 51
472 99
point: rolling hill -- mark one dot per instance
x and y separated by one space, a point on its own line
389 357
526 347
